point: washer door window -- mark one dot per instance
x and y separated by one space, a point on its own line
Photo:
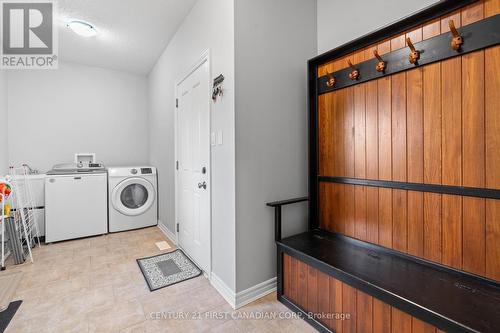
133 196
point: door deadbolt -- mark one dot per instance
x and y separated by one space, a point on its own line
202 185
204 170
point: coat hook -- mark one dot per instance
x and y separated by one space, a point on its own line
381 63
414 54
331 80
457 41
354 75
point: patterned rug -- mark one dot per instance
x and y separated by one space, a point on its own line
167 269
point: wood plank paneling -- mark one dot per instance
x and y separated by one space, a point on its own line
432 112
432 123
384 106
452 231
349 131
473 138
293 280
349 203
399 167
339 104
323 291
474 236
472 13
349 206
451 108
287 261
398 136
326 143
493 239
371 133
364 312
415 154
414 129
302 284
360 211
401 322
385 217
330 210
335 303
372 214
372 160
435 124
492 121
432 149
399 220
432 226
419 326
491 7
349 297
359 153
312 290
384 129
381 317
416 223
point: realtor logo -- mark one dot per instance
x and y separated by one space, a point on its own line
29 39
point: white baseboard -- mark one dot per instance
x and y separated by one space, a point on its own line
251 294
226 292
244 297
170 235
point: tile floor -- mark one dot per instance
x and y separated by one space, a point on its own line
95 285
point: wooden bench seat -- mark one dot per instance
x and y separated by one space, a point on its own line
451 300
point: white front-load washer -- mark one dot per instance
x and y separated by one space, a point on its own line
133 193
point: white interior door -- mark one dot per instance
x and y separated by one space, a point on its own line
193 171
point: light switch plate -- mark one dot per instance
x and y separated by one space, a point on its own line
213 139
220 140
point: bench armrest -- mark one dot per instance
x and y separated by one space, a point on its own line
277 213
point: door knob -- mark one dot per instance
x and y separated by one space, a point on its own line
202 185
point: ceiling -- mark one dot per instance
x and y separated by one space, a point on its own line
132 34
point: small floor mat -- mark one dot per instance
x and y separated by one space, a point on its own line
7 315
162 246
167 269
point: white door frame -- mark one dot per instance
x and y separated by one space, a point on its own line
205 58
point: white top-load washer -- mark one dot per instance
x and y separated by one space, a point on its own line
132 198
75 202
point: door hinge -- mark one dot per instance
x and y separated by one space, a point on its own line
176 165
176 102
177 227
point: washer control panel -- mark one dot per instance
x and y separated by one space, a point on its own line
146 171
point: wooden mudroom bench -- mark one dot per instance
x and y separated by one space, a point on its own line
449 299
404 180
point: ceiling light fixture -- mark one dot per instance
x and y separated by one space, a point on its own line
82 28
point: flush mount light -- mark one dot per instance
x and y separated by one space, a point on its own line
82 28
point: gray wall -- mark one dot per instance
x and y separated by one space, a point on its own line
209 26
54 114
4 154
341 21
273 41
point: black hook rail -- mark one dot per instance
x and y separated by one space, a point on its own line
475 36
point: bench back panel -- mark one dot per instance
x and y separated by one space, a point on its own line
435 124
